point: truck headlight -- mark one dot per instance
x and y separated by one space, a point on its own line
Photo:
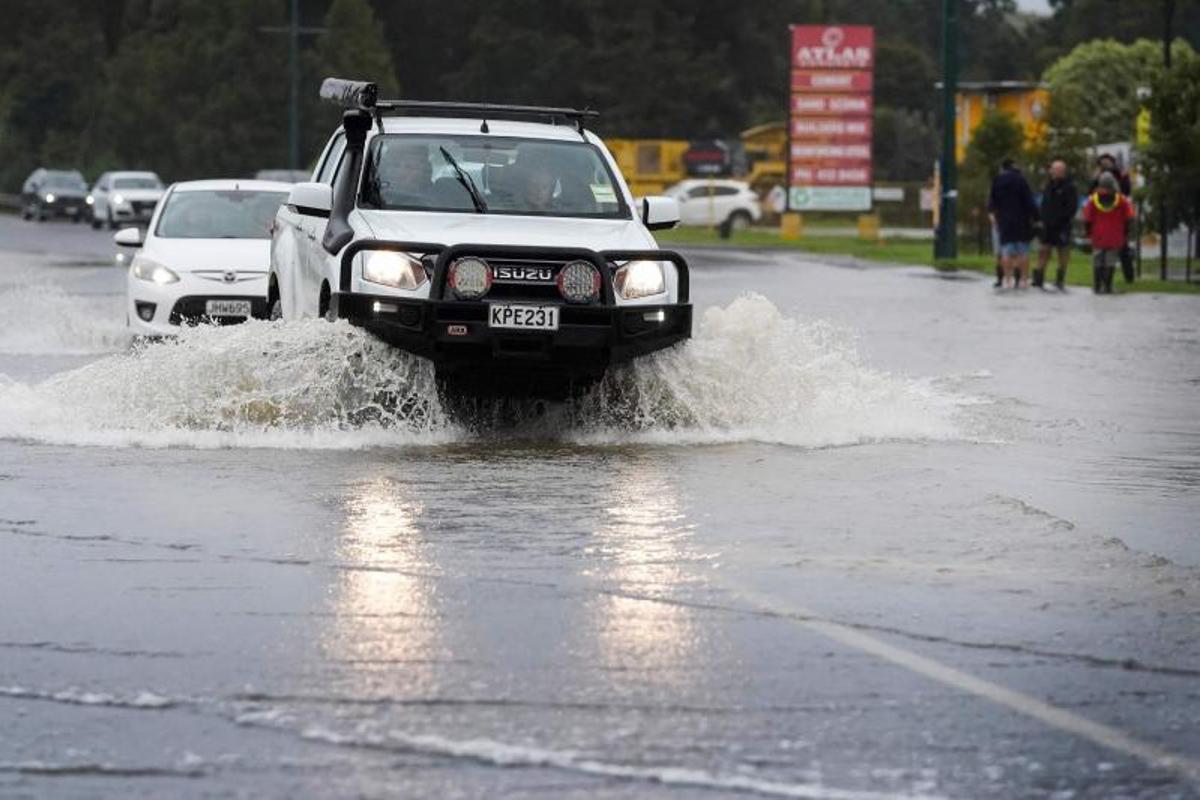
153 272
390 268
639 279
50 197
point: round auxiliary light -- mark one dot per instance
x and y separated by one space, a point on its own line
470 278
579 282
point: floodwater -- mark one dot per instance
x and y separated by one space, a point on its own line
873 533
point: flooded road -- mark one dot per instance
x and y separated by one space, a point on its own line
873 533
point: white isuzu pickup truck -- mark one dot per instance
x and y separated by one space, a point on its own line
501 242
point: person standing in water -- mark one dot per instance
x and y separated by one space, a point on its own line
1107 213
1011 203
1060 203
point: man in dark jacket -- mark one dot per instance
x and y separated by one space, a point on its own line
1060 202
1011 205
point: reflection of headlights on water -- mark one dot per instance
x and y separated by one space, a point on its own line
50 198
389 268
639 279
155 273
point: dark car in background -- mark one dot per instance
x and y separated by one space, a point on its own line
51 193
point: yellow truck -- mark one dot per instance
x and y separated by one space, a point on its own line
649 165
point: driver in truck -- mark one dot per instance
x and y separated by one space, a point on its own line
406 174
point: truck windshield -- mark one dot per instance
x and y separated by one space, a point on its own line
218 214
531 177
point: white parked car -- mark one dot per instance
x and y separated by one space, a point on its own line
204 256
499 241
124 198
715 202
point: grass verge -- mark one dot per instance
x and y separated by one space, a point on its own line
911 252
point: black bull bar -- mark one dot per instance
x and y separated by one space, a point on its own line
455 334
444 256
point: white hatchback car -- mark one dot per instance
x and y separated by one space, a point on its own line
204 257
124 198
500 242
716 202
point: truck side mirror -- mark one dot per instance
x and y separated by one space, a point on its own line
311 199
659 212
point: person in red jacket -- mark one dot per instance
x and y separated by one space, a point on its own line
1107 214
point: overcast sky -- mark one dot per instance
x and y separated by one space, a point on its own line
1037 6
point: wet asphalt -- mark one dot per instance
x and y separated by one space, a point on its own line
910 539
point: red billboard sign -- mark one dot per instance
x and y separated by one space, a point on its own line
832 70
818 151
832 105
836 129
831 80
833 47
832 173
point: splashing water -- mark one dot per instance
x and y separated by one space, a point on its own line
42 319
750 374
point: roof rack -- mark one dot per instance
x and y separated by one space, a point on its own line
483 111
364 96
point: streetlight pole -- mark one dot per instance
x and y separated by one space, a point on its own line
294 32
946 242
1168 23
294 104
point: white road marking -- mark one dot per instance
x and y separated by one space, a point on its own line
1055 717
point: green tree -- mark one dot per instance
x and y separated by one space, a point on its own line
46 96
1099 82
353 46
1067 137
1174 153
905 145
196 90
997 137
905 77
1076 22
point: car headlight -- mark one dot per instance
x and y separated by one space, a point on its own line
153 272
50 198
390 268
89 200
639 279
119 199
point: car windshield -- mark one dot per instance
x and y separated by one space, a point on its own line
219 214
532 177
136 183
63 180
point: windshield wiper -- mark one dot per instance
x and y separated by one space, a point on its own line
465 180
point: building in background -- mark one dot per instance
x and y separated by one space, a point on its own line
1027 103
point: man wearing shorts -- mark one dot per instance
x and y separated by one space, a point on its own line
1011 204
1060 202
